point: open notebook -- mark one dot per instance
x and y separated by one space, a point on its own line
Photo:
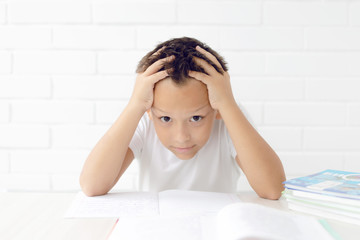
170 202
176 214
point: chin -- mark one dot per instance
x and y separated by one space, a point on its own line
185 157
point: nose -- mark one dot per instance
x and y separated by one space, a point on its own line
182 133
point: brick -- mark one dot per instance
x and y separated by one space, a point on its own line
65 182
253 112
241 63
5 62
47 161
30 164
4 112
352 162
282 138
332 139
119 62
267 89
104 87
78 137
256 38
353 116
310 113
52 112
226 12
2 13
18 37
49 12
334 89
333 38
4 162
150 36
69 162
314 64
293 13
108 112
94 37
135 12
18 86
24 136
54 62
354 16
353 61
304 163
25 182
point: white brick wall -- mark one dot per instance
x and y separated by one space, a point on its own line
67 71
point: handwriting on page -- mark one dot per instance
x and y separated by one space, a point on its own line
114 205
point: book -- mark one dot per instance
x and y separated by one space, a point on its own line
345 209
321 198
329 182
324 212
237 221
252 221
193 215
328 194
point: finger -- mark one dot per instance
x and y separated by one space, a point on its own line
209 69
156 66
199 76
158 51
156 77
209 56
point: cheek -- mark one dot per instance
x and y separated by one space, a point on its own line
202 134
162 132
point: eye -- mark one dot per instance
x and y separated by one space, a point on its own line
196 118
165 119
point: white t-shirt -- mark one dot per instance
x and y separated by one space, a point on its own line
213 168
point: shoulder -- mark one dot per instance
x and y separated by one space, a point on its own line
144 122
219 128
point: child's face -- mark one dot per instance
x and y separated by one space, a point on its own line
182 116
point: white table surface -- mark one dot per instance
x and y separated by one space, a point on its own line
40 216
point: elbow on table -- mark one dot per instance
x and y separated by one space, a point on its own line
91 190
273 194
92 193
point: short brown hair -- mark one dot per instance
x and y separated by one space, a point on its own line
184 51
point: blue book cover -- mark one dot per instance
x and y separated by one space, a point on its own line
331 182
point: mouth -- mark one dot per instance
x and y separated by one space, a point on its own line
183 149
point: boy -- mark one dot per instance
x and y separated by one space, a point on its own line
183 125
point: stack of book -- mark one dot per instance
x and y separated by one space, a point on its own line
329 194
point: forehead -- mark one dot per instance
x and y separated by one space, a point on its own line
185 98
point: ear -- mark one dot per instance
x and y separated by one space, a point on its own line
149 114
218 115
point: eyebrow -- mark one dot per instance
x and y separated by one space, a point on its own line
200 108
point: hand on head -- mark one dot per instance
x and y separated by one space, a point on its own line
145 82
218 83
182 59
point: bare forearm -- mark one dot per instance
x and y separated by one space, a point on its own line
110 157
102 167
256 158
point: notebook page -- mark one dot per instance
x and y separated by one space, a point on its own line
178 202
158 228
114 205
247 220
